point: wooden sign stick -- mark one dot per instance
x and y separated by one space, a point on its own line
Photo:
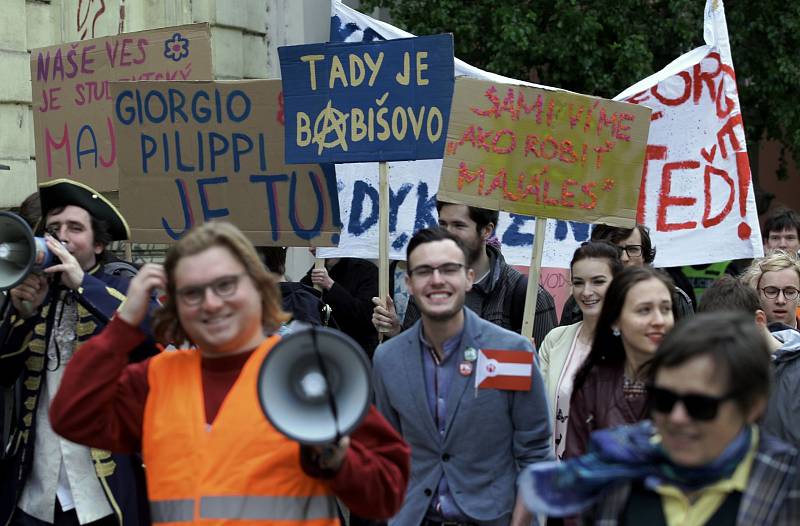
534 272
383 233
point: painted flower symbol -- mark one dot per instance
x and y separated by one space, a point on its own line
176 47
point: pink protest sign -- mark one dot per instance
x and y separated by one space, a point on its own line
72 106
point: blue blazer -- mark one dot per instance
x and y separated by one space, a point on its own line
490 435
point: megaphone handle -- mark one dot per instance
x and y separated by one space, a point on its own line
324 371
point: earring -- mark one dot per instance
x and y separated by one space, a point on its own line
615 331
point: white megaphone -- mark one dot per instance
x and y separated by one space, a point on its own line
20 251
314 386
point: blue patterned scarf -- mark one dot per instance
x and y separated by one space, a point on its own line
561 489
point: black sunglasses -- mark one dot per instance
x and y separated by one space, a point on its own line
700 407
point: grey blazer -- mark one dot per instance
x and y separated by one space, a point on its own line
489 435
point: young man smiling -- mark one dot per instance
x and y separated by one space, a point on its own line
212 457
499 291
467 445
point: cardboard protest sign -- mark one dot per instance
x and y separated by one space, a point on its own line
696 194
370 101
190 152
547 153
72 102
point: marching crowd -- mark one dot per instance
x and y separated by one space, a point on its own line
663 397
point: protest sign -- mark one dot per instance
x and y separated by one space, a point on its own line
696 192
72 109
547 153
368 101
190 152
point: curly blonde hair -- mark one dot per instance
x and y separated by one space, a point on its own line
778 260
166 323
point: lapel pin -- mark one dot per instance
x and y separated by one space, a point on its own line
465 368
470 354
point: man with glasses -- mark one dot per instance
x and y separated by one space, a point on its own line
212 457
776 278
499 292
467 444
46 479
782 418
636 250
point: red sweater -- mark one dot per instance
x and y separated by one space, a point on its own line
101 404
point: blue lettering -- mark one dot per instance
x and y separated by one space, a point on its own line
130 113
148 148
176 107
580 231
395 201
214 152
362 190
237 151
188 214
157 119
245 111
210 213
299 229
93 147
425 208
513 236
272 203
178 159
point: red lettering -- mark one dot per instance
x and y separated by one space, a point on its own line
665 200
652 153
50 145
493 111
709 221
687 89
622 127
700 77
728 129
465 175
587 190
567 196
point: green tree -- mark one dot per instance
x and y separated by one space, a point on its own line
601 47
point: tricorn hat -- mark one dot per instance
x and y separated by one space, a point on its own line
64 192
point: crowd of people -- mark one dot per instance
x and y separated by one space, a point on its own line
664 396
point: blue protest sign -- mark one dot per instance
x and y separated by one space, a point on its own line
367 101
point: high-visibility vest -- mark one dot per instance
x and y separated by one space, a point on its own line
238 470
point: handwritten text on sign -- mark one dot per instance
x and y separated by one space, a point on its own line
544 152
191 152
722 160
75 137
372 101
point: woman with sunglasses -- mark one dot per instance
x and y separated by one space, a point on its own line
565 348
702 460
609 387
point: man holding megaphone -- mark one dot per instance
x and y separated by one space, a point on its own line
54 310
195 414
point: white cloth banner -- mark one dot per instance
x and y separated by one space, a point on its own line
698 200
695 144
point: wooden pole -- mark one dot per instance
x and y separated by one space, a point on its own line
534 272
319 263
383 229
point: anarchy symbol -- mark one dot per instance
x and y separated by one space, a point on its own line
330 120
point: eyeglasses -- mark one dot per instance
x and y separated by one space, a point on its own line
699 407
426 271
634 251
223 287
789 293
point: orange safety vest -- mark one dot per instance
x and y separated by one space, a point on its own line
238 470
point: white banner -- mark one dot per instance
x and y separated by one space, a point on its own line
696 186
695 143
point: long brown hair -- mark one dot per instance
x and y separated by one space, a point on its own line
166 323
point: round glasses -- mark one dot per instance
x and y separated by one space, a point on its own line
790 293
223 287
